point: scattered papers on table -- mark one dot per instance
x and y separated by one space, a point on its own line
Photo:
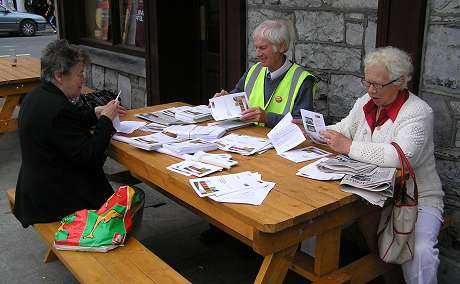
245 187
345 165
191 146
243 144
305 154
230 125
193 168
153 127
163 117
128 126
229 106
313 123
220 160
312 171
285 135
147 142
193 131
193 114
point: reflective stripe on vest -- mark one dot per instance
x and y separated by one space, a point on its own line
287 89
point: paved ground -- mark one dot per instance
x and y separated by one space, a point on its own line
26 45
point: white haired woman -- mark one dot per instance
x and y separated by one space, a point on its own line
275 85
390 113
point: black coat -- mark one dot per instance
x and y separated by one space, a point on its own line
61 170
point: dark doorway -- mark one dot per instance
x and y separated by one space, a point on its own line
399 28
199 49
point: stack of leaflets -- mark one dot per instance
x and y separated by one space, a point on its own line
192 131
344 165
230 125
313 123
245 187
375 188
148 142
153 127
229 106
244 144
312 171
191 146
193 168
220 160
193 114
305 154
163 117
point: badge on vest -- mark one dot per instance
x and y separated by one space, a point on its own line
278 99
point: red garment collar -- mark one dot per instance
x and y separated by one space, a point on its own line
389 112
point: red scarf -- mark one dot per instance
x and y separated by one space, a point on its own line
389 112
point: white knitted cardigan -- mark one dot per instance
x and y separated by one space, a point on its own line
412 130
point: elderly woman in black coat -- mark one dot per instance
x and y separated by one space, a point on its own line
62 159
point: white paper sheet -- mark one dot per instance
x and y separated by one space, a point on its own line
229 106
313 123
305 154
312 171
127 126
285 135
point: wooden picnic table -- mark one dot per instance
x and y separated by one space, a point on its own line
296 209
15 82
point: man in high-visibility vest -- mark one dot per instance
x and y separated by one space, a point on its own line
274 85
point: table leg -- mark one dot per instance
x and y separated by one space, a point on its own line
327 251
7 123
275 266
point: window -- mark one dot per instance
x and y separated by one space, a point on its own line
132 22
98 20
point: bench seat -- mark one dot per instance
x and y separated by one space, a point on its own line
131 263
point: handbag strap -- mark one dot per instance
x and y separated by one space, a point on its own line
405 165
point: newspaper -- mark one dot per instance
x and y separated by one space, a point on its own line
381 180
229 106
313 172
345 165
313 123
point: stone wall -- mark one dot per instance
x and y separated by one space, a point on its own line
332 38
117 71
440 87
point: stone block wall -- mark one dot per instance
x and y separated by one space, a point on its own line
116 71
331 39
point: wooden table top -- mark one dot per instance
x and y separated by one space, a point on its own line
294 200
26 70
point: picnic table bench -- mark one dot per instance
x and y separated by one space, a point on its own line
131 263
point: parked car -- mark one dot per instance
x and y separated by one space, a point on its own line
26 23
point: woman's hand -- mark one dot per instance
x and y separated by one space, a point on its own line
255 114
111 109
337 141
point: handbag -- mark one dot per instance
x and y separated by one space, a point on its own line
396 236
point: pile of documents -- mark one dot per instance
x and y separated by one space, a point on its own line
229 106
344 165
244 144
305 154
245 187
190 146
312 171
230 125
193 131
193 168
220 160
153 127
163 117
193 114
147 142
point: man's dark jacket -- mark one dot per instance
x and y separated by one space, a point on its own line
61 170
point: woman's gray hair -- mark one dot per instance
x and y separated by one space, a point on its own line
397 62
60 56
275 31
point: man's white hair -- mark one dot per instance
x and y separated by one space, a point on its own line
275 31
397 62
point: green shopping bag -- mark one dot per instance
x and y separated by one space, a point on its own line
104 229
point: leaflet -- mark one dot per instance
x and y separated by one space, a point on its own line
243 144
252 196
285 135
305 154
193 168
127 126
219 185
313 123
312 171
229 106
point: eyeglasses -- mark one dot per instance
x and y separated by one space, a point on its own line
376 86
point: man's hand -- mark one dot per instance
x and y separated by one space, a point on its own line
255 114
221 93
337 141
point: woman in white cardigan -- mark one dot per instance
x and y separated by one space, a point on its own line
387 113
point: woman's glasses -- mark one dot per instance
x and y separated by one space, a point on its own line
376 86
